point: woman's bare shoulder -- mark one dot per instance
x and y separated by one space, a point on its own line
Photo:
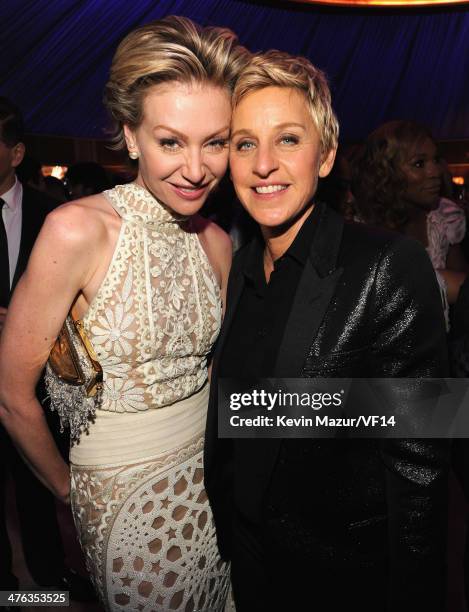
215 236
81 221
217 246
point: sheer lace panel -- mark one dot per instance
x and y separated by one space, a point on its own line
158 310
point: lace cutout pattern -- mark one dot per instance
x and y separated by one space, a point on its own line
148 534
158 310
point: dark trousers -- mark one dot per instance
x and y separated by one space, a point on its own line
41 541
272 580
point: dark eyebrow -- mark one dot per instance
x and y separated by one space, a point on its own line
184 137
280 126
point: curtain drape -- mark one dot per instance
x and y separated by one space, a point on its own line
55 55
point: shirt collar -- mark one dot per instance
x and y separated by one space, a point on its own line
253 268
298 250
13 196
301 245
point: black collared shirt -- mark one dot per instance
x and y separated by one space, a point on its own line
252 345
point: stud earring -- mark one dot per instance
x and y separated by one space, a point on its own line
133 154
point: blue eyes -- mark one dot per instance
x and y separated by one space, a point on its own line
169 143
244 146
172 144
288 140
218 144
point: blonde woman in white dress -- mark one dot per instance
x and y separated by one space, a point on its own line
147 277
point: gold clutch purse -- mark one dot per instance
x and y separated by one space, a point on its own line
74 377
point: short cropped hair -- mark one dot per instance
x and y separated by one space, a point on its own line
280 69
169 49
11 123
378 181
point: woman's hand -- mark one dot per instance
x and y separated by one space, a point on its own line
65 497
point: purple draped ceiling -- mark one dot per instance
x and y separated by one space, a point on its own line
55 54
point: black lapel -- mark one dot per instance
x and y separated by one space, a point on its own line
314 293
33 216
309 307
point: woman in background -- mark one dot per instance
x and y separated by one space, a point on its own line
397 186
146 275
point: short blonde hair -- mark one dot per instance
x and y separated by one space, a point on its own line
170 49
279 69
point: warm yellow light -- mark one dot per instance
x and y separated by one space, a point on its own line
408 3
458 180
56 171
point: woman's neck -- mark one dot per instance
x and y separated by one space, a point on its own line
416 227
278 240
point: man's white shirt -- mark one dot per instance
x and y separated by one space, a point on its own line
12 217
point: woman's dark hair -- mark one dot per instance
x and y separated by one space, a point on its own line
378 181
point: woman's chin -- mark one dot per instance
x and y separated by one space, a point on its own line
271 221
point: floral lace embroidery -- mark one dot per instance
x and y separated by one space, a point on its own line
158 310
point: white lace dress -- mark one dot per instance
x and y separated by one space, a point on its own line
138 498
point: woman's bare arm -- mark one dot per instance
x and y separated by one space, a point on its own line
219 250
61 264
220 253
453 280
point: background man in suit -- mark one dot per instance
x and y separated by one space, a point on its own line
23 211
